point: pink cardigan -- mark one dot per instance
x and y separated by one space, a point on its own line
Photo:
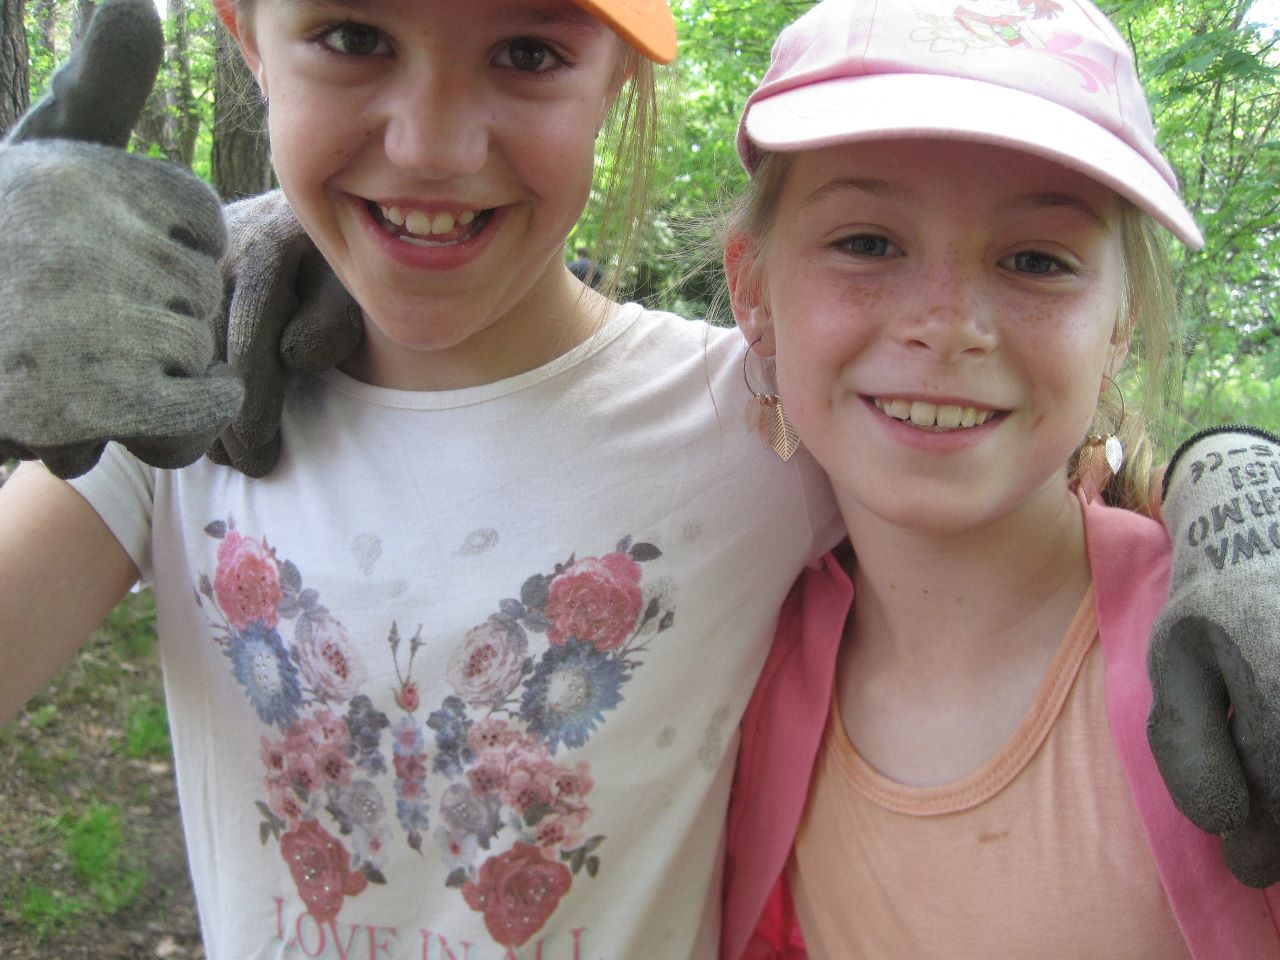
1220 918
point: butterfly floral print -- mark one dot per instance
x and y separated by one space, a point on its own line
346 782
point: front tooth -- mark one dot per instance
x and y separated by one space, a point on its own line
394 214
968 417
898 409
466 217
923 414
948 416
418 222
441 223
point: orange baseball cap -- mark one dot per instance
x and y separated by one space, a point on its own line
645 24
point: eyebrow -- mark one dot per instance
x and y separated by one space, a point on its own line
891 190
879 188
536 16
1049 198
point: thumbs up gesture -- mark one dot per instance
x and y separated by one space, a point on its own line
109 273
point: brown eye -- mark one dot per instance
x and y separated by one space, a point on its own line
355 40
528 55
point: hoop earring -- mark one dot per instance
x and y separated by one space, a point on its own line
1100 456
782 436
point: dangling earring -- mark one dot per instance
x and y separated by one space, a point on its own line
782 436
1100 457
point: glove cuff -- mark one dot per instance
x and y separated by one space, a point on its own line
1195 438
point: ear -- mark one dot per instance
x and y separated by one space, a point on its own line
239 29
226 10
746 295
1119 351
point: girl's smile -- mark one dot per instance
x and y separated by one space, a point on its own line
942 315
438 153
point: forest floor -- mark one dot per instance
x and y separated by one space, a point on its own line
95 865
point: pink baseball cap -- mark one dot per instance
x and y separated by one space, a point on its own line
1049 77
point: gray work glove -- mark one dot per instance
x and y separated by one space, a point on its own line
108 270
1216 646
285 311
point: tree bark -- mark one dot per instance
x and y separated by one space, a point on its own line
184 116
241 161
14 77
85 10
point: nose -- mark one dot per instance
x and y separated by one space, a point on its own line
436 126
953 317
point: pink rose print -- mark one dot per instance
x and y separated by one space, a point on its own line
327 658
285 803
530 780
517 892
318 863
560 831
573 781
492 733
246 581
596 600
487 666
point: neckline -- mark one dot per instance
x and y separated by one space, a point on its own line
1010 760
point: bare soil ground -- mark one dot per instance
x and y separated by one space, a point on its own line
94 867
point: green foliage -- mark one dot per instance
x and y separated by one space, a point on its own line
44 911
1214 82
95 844
146 731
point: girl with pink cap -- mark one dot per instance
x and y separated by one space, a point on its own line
949 248
461 677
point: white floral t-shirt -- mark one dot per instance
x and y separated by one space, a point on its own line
461 679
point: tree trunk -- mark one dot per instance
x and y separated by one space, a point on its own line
184 116
14 77
85 10
241 161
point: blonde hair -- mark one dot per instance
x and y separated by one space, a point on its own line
1147 321
626 182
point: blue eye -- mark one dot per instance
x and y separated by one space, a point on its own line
865 245
354 40
1029 261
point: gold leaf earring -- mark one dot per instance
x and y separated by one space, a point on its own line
782 435
1100 456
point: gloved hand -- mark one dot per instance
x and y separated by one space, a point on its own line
108 270
285 312
1217 646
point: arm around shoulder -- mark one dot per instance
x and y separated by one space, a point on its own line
61 573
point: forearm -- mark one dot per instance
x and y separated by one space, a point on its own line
61 573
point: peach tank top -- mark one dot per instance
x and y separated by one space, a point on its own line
1039 853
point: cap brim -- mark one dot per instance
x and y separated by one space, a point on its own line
899 106
647 25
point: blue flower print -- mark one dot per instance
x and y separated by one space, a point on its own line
262 666
571 687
